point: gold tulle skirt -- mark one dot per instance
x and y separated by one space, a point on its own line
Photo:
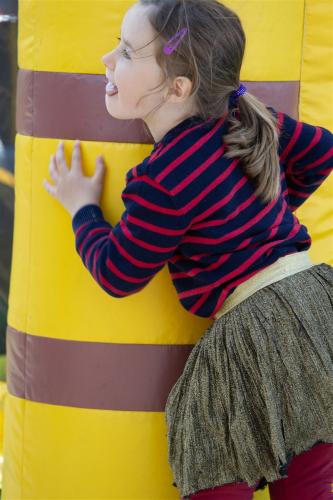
257 388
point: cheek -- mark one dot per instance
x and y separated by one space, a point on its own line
149 84
122 73
134 82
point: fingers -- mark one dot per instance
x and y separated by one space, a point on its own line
100 170
49 188
60 159
54 175
76 157
53 169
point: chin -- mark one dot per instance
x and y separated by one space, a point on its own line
113 114
117 113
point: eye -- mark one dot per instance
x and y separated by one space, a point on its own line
124 52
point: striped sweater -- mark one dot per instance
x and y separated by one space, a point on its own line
190 207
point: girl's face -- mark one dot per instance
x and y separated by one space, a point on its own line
132 67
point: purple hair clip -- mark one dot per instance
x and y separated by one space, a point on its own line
174 41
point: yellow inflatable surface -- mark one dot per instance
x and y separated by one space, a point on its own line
88 375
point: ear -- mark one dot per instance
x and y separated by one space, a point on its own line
180 90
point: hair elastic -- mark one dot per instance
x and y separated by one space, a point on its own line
241 91
174 41
233 99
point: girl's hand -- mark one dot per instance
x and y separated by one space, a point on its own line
71 188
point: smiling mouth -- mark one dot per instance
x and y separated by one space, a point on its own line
111 89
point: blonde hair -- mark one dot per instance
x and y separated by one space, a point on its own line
211 56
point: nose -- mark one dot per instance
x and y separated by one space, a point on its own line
109 59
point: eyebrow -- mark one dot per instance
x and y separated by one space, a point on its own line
126 42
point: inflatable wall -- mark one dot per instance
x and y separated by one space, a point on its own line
88 375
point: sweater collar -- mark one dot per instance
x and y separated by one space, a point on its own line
177 129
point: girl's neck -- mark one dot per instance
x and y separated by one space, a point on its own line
166 119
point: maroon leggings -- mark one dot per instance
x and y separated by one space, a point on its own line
310 477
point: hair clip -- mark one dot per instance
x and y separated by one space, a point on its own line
174 42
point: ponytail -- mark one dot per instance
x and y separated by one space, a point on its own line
253 139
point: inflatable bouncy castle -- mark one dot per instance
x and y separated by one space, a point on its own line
88 375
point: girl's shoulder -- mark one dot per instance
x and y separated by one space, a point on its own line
183 152
138 170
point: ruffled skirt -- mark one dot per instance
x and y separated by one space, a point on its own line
257 388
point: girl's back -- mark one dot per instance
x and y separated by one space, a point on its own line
221 233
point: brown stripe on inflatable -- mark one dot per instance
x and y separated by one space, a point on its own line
72 106
134 377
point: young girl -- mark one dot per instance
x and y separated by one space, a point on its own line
215 200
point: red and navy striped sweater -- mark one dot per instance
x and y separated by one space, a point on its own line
188 206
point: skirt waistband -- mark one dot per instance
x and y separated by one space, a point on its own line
283 267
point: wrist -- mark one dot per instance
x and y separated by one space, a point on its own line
74 210
87 213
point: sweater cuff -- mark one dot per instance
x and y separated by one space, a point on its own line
88 213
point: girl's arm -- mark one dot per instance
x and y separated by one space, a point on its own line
306 155
124 258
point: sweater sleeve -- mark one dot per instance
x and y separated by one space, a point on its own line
306 155
124 258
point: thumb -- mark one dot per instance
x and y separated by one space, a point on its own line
100 169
